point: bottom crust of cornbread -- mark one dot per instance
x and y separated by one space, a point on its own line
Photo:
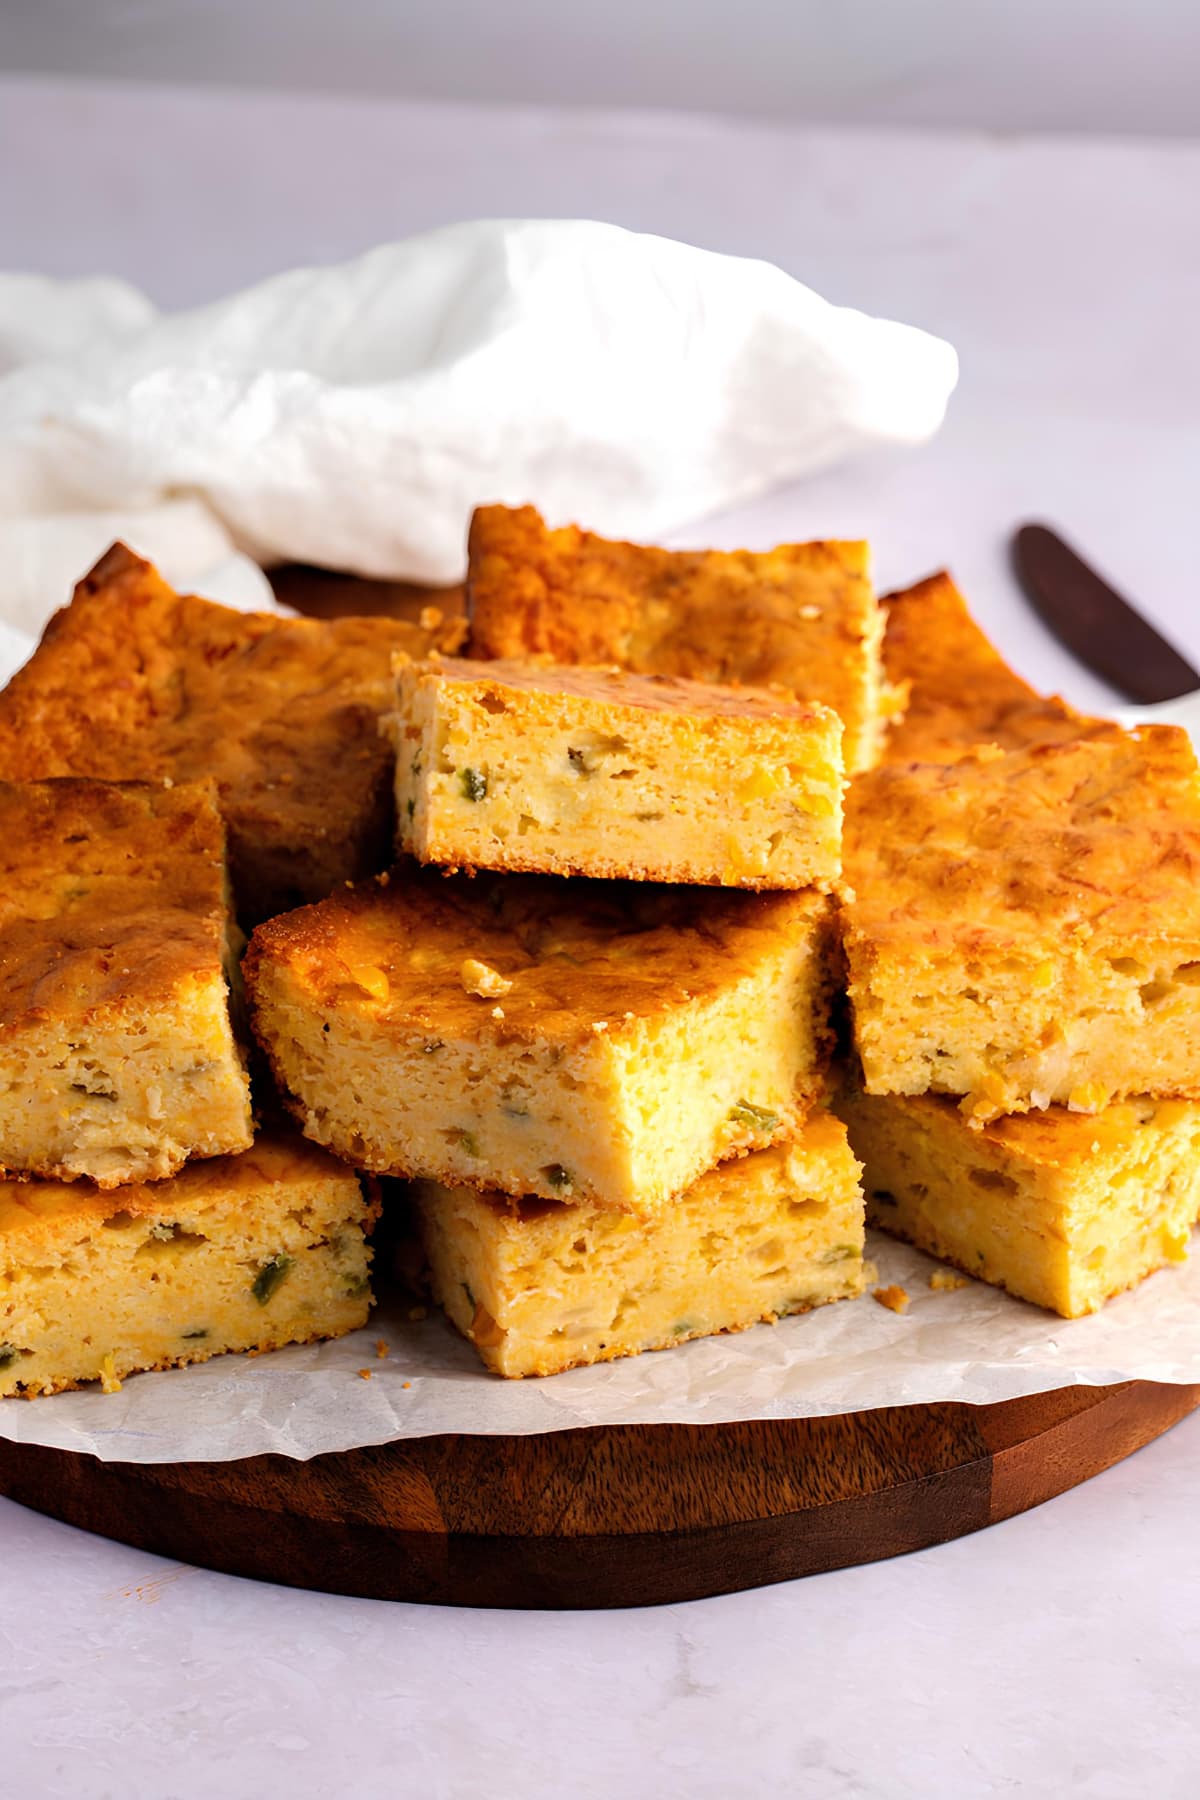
1060 1208
245 1252
539 1286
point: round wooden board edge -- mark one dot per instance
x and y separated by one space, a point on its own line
606 1517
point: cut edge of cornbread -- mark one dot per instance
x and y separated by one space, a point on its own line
539 1287
118 964
1061 1210
800 616
601 773
1023 927
238 1253
627 1109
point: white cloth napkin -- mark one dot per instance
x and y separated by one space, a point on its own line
353 416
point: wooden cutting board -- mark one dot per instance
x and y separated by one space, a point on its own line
621 1516
625 1516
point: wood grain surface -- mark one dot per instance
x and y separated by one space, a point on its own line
623 1516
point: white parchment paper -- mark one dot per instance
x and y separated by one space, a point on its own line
973 1344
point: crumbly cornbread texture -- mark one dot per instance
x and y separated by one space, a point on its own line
244 1252
802 617
960 690
1025 926
117 1056
575 771
607 1041
539 1287
133 681
1060 1208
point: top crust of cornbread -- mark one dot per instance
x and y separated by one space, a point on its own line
1095 842
802 617
37 1215
111 897
133 681
1055 1140
961 692
581 956
669 694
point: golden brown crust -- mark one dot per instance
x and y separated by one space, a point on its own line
668 694
961 691
111 897
579 955
802 617
135 682
1096 840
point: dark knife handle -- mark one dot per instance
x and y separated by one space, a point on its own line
1094 622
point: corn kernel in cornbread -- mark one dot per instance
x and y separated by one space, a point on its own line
117 1055
133 681
244 1252
596 772
539 1287
802 617
961 692
1060 1208
647 1032
1026 925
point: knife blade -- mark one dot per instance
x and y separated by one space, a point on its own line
1096 623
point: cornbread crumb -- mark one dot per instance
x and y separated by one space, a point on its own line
480 978
364 1374
944 1281
406 1384
737 617
382 1348
580 771
893 1297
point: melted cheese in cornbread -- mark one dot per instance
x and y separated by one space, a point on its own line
243 1252
802 617
600 773
133 681
1059 1208
596 1040
539 1287
117 1055
1025 926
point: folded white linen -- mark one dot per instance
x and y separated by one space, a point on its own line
352 416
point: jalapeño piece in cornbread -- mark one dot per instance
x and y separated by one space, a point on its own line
539 1287
1025 926
606 1041
960 690
133 681
802 617
575 771
244 1252
117 1056
1064 1209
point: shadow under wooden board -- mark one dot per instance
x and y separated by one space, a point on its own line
618 1516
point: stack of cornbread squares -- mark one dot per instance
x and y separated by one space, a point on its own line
555 930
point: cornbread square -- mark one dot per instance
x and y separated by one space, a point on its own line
133 681
604 1041
1061 1208
117 1056
802 617
244 1252
575 771
960 690
1026 924
539 1287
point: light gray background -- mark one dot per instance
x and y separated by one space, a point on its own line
1004 65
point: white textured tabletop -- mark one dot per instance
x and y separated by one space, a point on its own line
1055 1654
